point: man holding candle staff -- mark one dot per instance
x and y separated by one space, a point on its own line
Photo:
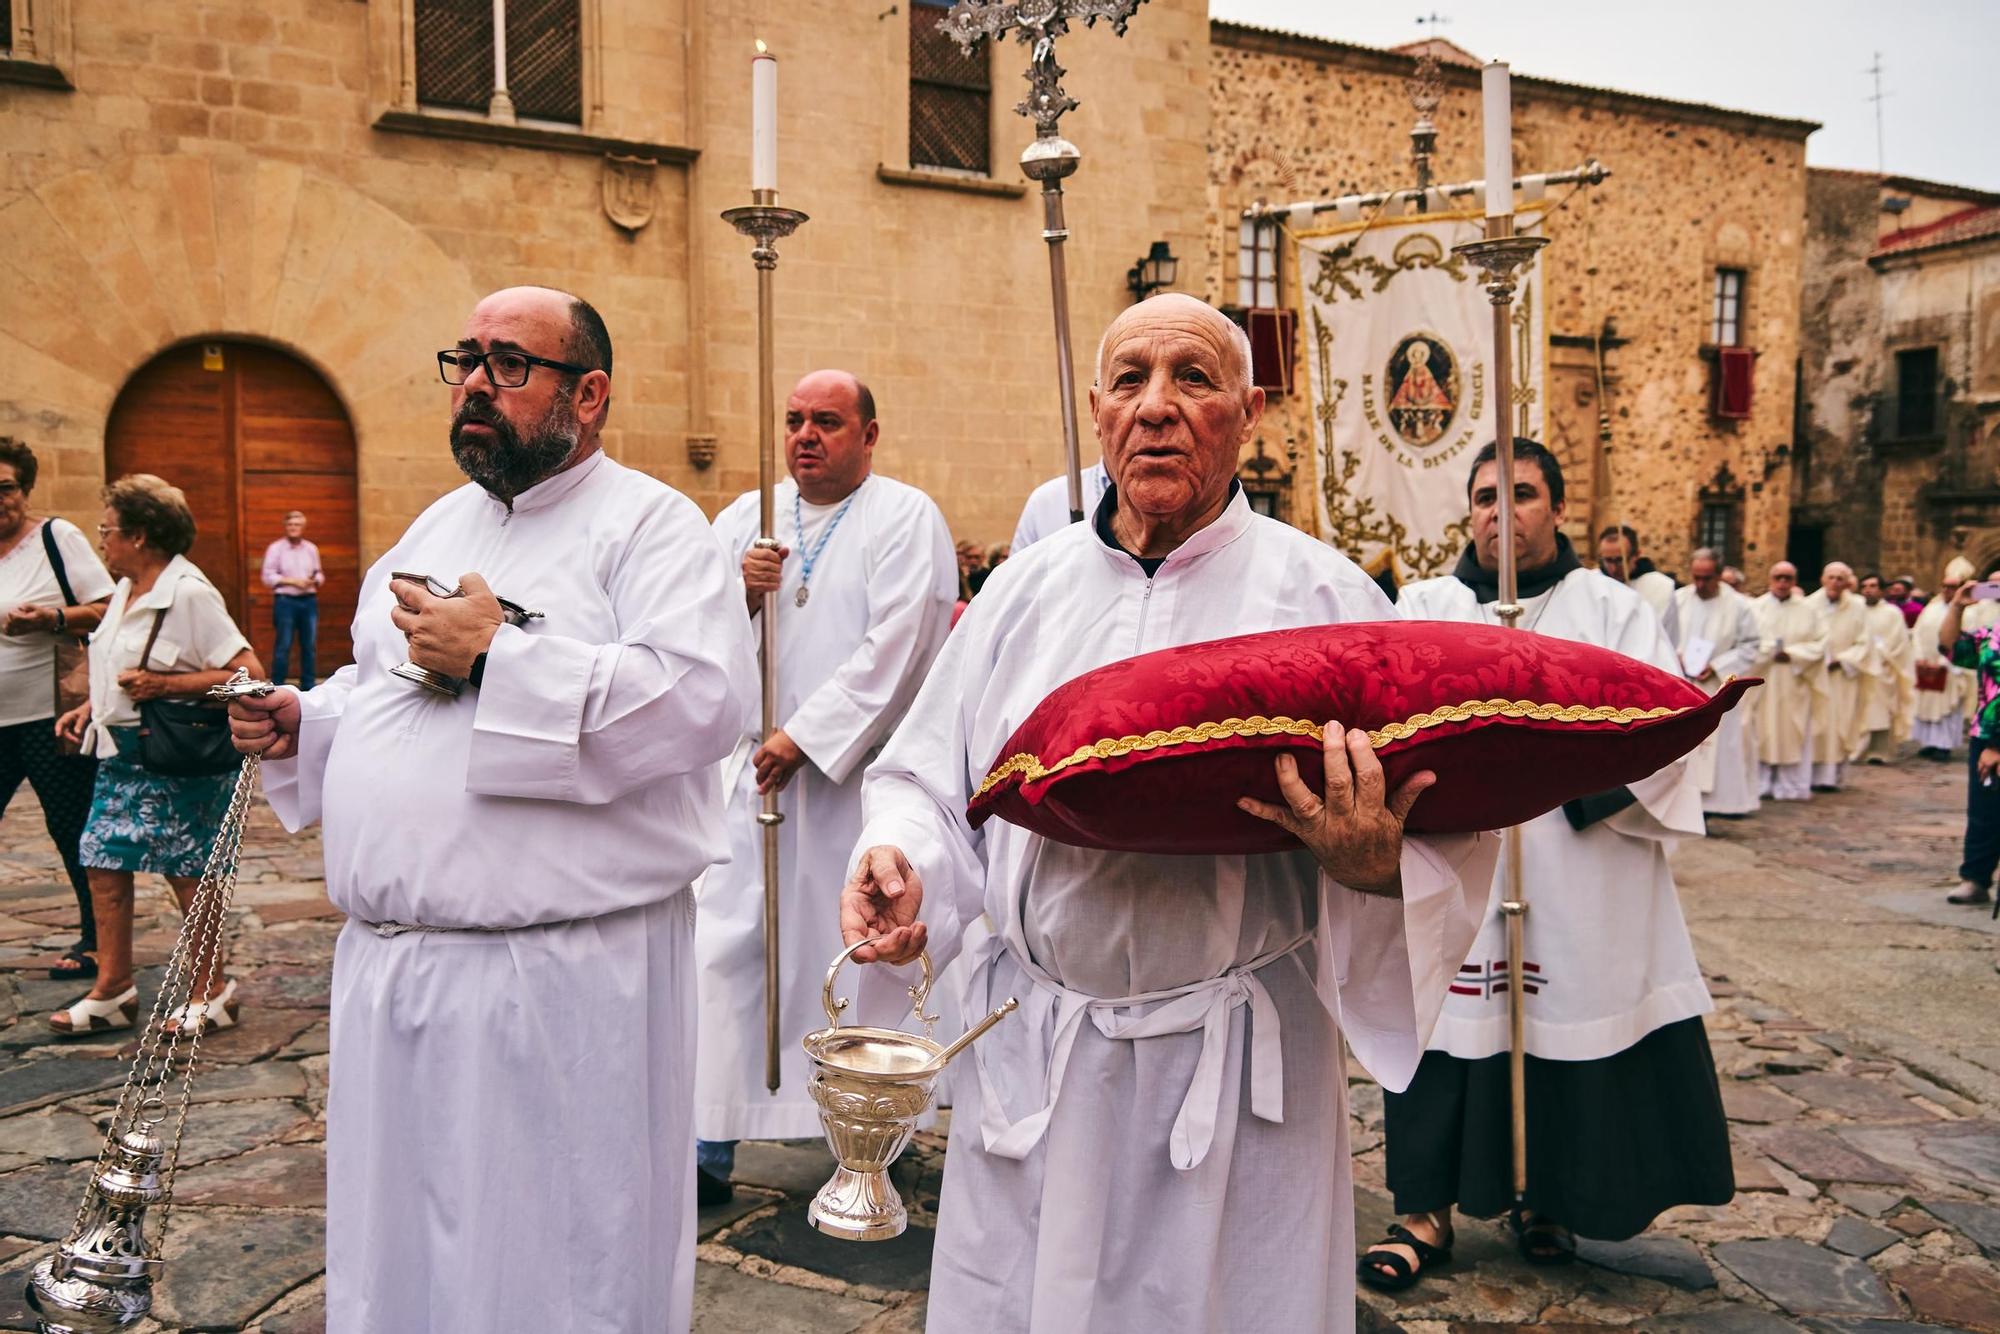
1624 1115
865 583
1160 1141
510 1130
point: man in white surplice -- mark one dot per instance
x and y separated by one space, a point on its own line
1715 637
1158 1139
865 589
1846 650
1791 704
1047 509
509 1118
1882 717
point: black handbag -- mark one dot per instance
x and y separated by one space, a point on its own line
183 738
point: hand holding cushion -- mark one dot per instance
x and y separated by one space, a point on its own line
1354 833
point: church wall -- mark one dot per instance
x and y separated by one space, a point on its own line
218 170
1693 188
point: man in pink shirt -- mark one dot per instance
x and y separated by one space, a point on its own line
292 572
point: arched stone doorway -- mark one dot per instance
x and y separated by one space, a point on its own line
248 433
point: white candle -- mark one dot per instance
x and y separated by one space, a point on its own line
1496 86
763 120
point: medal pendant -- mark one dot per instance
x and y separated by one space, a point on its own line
804 593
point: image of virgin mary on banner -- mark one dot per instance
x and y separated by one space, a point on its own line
1397 335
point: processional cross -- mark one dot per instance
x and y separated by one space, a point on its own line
1037 24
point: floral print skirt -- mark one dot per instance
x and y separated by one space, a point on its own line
143 821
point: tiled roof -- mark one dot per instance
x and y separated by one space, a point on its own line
1970 224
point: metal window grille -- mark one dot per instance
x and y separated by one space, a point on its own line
545 59
1725 325
1257 263
1716 529
951 98
455 53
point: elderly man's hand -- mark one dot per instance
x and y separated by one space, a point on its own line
267 727
880 902
446 633
1354 833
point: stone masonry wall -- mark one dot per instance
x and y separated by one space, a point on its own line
1693 188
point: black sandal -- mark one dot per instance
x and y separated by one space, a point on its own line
1377 1257
1543 1241
82 967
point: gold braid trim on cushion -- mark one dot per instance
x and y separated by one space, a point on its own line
1033 770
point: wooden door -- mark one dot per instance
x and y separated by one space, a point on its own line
248 435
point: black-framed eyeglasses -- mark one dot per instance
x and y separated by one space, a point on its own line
11 489
507 369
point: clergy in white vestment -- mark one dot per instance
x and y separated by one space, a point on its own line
1618 558
1157 1139
865 584
1614 997
1791 703
1715 638
510 1139
1941 703
1847 653
1887 677
1047 510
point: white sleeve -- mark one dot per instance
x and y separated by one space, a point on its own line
1390 961
914 795
198 615
294 786
565 720
88 579
910 594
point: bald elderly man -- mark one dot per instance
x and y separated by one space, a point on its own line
1847 653
1158 1139
508 1121
1790 657
865 578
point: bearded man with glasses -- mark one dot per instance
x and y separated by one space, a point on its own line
515 984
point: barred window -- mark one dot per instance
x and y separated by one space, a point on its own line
1716 529
1725 323
1257 263
543 50
951 97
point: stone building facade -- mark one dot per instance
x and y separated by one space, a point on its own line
184 179
1632 269
1898 451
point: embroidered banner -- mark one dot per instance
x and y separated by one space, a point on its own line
1398 334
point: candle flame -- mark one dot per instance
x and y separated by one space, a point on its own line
761 48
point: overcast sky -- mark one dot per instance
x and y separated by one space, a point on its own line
1801 58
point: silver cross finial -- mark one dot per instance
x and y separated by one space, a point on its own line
1035 23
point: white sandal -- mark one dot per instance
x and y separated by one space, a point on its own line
217 1012
97 1016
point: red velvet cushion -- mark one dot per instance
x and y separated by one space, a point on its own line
1151 753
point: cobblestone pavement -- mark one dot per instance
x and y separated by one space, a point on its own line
1863 1092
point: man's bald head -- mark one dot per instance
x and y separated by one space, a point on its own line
1784 579
1836 579
586 341
1180 305
830 433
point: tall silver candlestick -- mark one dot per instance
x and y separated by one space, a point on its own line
765 223
1499 253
